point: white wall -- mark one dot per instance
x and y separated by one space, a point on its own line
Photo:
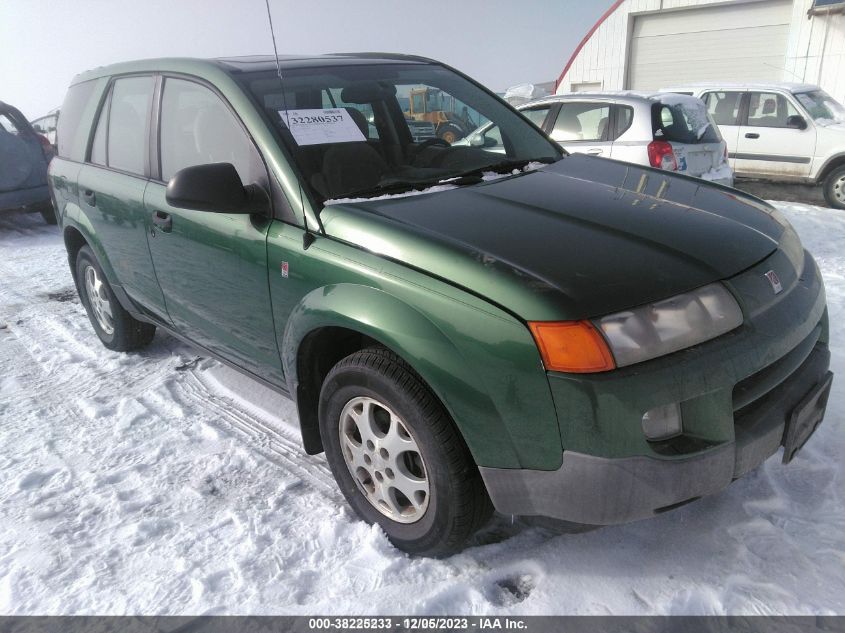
816 50
814 53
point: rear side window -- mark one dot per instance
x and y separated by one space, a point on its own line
198 128
624 119
127 132
769 109
581 122
723 106
536 115
71 142
98 149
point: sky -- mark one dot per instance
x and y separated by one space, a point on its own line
500 43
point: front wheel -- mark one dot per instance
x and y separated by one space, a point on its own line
397 456
834 188
116 328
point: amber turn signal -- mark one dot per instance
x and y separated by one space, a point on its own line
572 346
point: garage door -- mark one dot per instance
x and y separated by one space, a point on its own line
739 42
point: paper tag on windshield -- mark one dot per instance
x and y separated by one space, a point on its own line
317 126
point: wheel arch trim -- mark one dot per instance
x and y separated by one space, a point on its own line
412 336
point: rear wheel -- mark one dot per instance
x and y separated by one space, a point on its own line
397 456
117 329
834 188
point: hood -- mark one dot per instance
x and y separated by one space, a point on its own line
581 238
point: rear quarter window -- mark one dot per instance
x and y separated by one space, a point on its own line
71 141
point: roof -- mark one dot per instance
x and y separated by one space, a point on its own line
616 95
248 63
781 85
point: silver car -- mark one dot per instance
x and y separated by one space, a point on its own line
667 131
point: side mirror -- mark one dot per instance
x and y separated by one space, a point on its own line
215 187
476 140
796 121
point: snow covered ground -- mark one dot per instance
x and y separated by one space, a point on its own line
142 483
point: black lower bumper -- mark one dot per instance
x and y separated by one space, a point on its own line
603 491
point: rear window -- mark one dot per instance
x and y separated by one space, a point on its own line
683 120
70 141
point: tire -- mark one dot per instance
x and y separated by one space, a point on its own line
450 133
834 188
48 214
117 329
387 394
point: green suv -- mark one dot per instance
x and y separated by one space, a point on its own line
461 329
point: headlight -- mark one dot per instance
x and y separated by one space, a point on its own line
667 326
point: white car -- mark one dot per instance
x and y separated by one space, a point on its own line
781 132
667 131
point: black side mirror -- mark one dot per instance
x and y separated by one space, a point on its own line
796 121
215 187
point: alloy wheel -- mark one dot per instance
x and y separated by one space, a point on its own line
384 459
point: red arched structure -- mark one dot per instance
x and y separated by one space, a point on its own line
589 34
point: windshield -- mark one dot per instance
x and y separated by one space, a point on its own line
822 107
354 131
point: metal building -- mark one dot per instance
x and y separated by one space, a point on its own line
647 44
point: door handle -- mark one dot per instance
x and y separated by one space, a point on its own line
594 152
90 197
752 135
163 221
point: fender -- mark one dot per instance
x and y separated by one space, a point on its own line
453 365
829 165
75 217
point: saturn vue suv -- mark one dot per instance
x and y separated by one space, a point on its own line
462 330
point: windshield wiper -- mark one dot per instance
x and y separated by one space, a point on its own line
500 167
469 177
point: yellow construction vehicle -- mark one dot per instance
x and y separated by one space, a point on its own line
449 116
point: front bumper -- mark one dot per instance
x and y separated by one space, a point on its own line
605 490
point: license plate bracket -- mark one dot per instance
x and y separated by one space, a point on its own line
806 417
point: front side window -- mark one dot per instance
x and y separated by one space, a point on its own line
353 130
130 106
197 128
723 106
581 122
769 109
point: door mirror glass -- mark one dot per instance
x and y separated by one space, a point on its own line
215 187
797 122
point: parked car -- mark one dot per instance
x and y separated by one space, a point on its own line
780 132
566 336
46 125
666 131
24 155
